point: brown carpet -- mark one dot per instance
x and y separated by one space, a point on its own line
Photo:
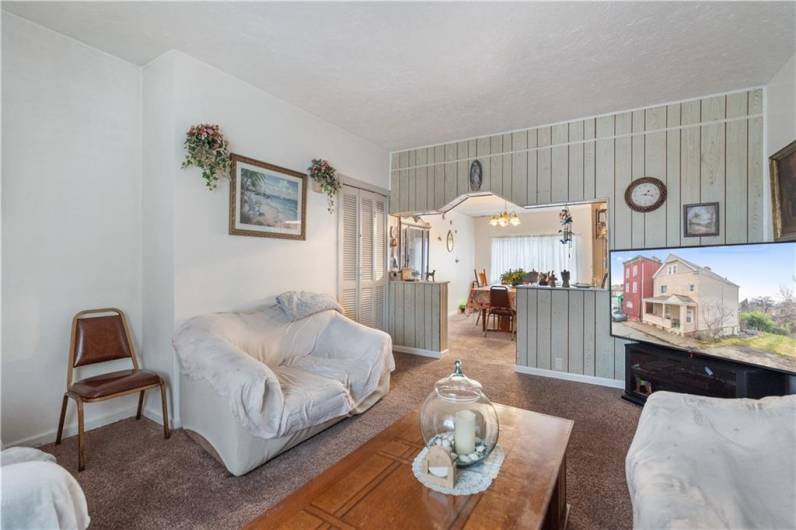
135 479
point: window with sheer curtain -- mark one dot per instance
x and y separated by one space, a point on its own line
542 253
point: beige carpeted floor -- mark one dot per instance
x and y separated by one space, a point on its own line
135 479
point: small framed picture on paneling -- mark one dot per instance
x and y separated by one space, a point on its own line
701 220
783 191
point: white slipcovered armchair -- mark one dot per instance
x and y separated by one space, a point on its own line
703 462
255 384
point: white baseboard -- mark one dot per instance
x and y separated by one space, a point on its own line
155 414
579 378
418 351
70 429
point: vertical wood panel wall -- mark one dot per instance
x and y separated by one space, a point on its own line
567 330
418 316
705 150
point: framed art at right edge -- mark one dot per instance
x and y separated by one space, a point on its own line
783 191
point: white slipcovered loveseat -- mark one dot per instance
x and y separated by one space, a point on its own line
255 384
699 462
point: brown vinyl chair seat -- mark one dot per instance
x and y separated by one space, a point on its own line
98 336
100 386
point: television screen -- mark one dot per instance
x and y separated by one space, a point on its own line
731 301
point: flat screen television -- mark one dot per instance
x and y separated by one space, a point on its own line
731 301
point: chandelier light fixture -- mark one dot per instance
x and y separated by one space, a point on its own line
505 218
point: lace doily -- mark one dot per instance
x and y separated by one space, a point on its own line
469 480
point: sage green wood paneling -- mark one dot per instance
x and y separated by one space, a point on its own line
673 202
463 169
450 173
519 168
712 171
496 165
482 149
623 158
532 168
439 176
565 330
421 186
560 164
418 315
507 166
655 166
575 333
559 329
736 182
637 219
589 335
543 328
589 160
521 299
575 164
604 354
690 163
705 150
755 182
544 156
436 338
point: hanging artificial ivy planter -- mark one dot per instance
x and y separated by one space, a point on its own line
325 180
207 149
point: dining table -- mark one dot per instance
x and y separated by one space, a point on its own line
479 301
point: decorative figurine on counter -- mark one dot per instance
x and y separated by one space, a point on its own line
551 279
532 277
565 278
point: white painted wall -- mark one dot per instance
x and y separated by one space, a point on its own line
781 107
70 215
538 222
161 154
263 127
191 264
459 274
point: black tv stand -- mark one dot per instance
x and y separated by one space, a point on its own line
649 368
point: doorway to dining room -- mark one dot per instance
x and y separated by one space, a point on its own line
484 248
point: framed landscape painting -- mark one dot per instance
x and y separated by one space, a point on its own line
266 200
783 192
701 219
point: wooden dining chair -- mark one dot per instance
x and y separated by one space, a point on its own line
98 339
499 306
482 279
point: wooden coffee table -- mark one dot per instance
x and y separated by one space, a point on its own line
374 486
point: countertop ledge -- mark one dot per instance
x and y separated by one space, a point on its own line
545 287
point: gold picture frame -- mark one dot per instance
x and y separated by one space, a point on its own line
266 200
782 168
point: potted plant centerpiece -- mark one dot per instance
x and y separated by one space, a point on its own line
512 278
324 180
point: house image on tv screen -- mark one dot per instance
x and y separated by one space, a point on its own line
638 284
687 299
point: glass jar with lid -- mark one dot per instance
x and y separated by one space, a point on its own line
458 416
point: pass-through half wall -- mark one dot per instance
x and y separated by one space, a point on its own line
708 149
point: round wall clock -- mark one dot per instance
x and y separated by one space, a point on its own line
645 194
476 175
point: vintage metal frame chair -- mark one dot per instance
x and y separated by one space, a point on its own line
100 339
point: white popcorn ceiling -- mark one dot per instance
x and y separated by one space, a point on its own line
413 74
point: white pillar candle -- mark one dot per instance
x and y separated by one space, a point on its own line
464 433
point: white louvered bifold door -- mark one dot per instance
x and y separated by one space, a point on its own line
349 266
363 251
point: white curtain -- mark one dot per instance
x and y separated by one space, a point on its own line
542 253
